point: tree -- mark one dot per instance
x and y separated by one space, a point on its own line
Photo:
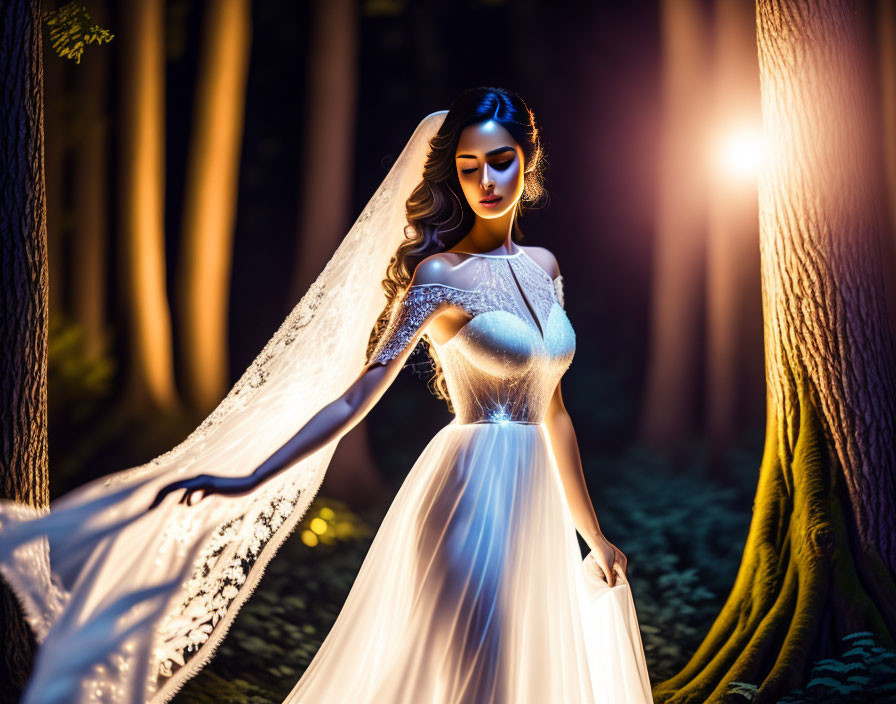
210 202
820 554
669 401
325 201
886 40
56 145
90 186
150 369
24 297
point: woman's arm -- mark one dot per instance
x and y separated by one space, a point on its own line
331 422
336 418
342 414
569 462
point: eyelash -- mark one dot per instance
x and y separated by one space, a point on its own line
500 166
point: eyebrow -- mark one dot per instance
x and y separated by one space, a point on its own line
499 150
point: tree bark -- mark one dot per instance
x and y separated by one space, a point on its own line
24 297
56 145
669 410
886 39
733 294
820 554
210 203
149 382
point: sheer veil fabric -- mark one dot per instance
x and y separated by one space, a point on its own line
128 605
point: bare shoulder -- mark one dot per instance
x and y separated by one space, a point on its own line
438 268
545 259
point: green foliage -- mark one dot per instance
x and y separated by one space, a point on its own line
77 383
78 388
71 29
683 535
864 672
279 630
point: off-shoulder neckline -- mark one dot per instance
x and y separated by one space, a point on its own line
517 253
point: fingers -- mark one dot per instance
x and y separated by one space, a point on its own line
160 497
605 568
193 496
620 564
195 490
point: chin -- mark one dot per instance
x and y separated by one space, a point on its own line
491 213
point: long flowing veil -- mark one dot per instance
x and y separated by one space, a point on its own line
127 605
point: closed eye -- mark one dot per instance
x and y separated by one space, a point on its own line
500 166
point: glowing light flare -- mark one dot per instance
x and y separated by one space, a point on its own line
318 525
739 153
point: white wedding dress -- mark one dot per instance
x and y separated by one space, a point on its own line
474 590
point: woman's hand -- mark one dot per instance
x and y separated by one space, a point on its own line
202 485
610 559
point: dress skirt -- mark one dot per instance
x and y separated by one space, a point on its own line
474 590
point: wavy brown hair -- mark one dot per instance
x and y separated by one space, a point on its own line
438 218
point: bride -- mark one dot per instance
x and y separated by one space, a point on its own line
474 589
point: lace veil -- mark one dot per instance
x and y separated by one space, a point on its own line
128 605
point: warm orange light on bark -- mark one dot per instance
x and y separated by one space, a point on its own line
142 154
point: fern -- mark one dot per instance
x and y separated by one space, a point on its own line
71 29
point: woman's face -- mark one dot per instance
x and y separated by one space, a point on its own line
490 168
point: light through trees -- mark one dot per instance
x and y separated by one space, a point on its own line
739 153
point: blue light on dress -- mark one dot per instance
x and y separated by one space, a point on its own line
499 415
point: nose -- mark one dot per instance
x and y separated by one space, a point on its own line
487 181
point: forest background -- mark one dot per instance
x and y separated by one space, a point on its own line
202 164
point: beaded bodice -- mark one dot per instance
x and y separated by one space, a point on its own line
504 364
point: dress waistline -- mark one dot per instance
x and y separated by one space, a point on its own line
499 422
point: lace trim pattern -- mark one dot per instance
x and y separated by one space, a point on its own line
418 303
558 289
492 292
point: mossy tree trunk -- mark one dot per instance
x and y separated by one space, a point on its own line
821 550
24 301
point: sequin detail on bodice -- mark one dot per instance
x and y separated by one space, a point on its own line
504 364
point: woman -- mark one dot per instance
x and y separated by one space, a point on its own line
474 589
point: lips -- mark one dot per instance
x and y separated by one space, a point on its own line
490 200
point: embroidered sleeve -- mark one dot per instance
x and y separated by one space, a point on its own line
558 287
417 304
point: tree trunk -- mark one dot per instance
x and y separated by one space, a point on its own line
821 550
149 382
91 186
669 408
24 297
325 202
326 165
210 203
733 294
56 145
886 38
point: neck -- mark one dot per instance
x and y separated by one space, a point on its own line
489 234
